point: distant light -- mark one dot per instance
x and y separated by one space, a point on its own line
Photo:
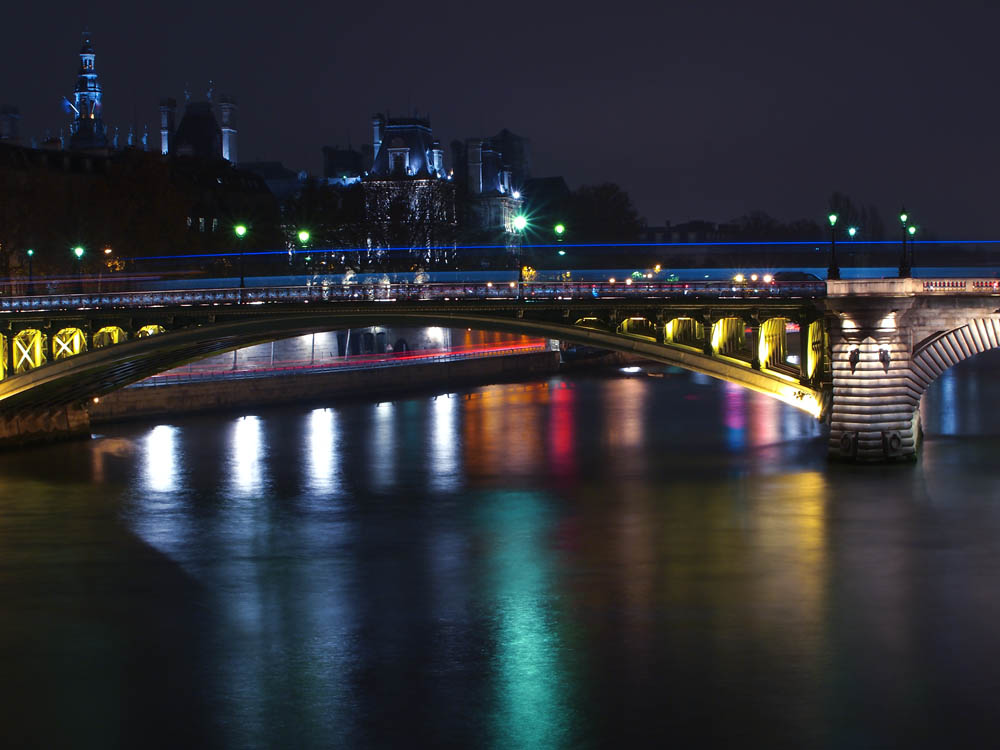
512 285
489 284
240 230
97 400
631 369
912 230
30 252
852 231
833 219
753 277
611 280
78 251
768 278
516 194
520 222
656 268
628 282
739 278
562 252
903 217
308 258
107 251
559 228
303 236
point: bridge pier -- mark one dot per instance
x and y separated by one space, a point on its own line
889 340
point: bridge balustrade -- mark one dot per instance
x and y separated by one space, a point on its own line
409 291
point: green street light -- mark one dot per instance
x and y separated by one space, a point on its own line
559 228
903 217
562 252
851 231
520 222
833 270
912 230
30 252
303 236
78 252
240 230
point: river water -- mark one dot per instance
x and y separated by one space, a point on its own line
590 561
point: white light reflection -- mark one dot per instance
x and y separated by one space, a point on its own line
161 459
246 454
383 445
444 459
323 442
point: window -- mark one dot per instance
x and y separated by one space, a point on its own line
201 224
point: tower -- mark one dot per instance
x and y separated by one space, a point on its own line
87 130
168 110
227 107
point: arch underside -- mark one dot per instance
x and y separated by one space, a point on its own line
94 373
947 349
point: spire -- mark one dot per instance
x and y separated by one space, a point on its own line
87 130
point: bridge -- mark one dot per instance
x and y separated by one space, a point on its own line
860 353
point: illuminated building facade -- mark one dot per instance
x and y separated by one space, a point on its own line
87 131
409 198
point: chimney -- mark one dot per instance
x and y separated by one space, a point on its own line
378 123
227 105
168 108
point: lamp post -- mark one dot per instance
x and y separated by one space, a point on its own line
833 271
78 253
904 260
31 282
241 231
912 231
303 236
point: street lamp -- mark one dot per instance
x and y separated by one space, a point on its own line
911 230
851 231
241 231
559 229
833 271
78 252
520 222
31 283
904 260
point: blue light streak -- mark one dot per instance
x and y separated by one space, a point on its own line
820 244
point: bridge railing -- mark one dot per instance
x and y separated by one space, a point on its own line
407 292
911 287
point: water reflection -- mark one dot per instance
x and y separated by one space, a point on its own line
579 562
443 466
161 459
382 448
323 446
530 681
246 455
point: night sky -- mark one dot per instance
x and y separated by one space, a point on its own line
699 110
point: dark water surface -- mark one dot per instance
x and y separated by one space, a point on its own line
583 562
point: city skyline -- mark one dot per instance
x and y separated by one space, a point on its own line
697 113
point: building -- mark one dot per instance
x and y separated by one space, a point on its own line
199 133
409 197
